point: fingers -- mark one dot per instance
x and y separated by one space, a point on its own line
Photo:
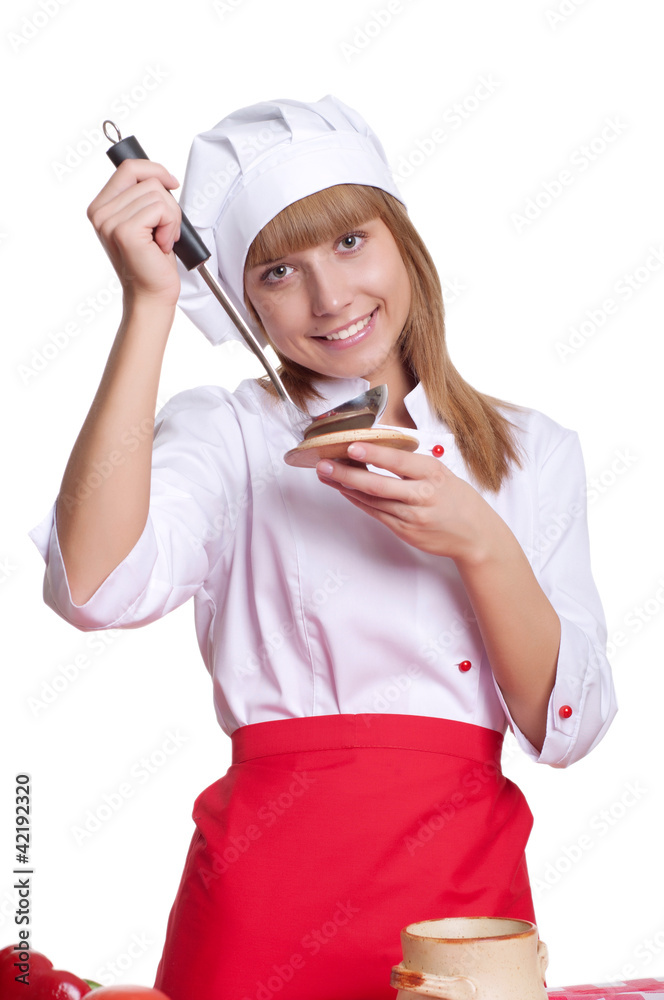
135 185
127 175
413 471
146 211
390 512
387 513
137 221
406 464
361 480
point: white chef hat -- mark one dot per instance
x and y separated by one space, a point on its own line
250 166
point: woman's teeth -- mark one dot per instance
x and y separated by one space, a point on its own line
349 331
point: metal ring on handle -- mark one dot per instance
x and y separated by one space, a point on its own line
106 122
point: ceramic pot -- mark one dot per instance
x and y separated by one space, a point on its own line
483 958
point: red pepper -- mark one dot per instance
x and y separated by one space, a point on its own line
35 978
29 975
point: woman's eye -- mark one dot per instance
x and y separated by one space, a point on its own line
276 273
351 241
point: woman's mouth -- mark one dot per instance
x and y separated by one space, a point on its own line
351 334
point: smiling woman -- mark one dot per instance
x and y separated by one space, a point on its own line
339 308
417 350
365 756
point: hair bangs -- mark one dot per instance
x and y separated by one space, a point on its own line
316 219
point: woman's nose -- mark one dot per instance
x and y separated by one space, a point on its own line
329 291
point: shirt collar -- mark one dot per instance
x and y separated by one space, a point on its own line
418 406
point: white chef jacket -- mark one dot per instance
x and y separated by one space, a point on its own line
304 605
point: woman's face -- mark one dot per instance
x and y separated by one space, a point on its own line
354 291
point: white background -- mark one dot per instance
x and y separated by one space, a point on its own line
100 905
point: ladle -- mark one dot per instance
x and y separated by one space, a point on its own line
336 425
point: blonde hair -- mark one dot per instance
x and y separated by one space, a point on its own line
484 436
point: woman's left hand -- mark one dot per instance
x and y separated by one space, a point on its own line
428 506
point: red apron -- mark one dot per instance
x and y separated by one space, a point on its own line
327 836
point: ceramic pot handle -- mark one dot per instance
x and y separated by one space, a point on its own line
425 984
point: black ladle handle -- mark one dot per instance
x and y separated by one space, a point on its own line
190 248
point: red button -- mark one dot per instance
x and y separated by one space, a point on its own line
564 712
438 450
465 665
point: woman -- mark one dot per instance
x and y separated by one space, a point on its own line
370 630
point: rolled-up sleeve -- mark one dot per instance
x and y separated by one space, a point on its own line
583 702
187 528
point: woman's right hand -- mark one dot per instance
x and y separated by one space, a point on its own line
138 221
